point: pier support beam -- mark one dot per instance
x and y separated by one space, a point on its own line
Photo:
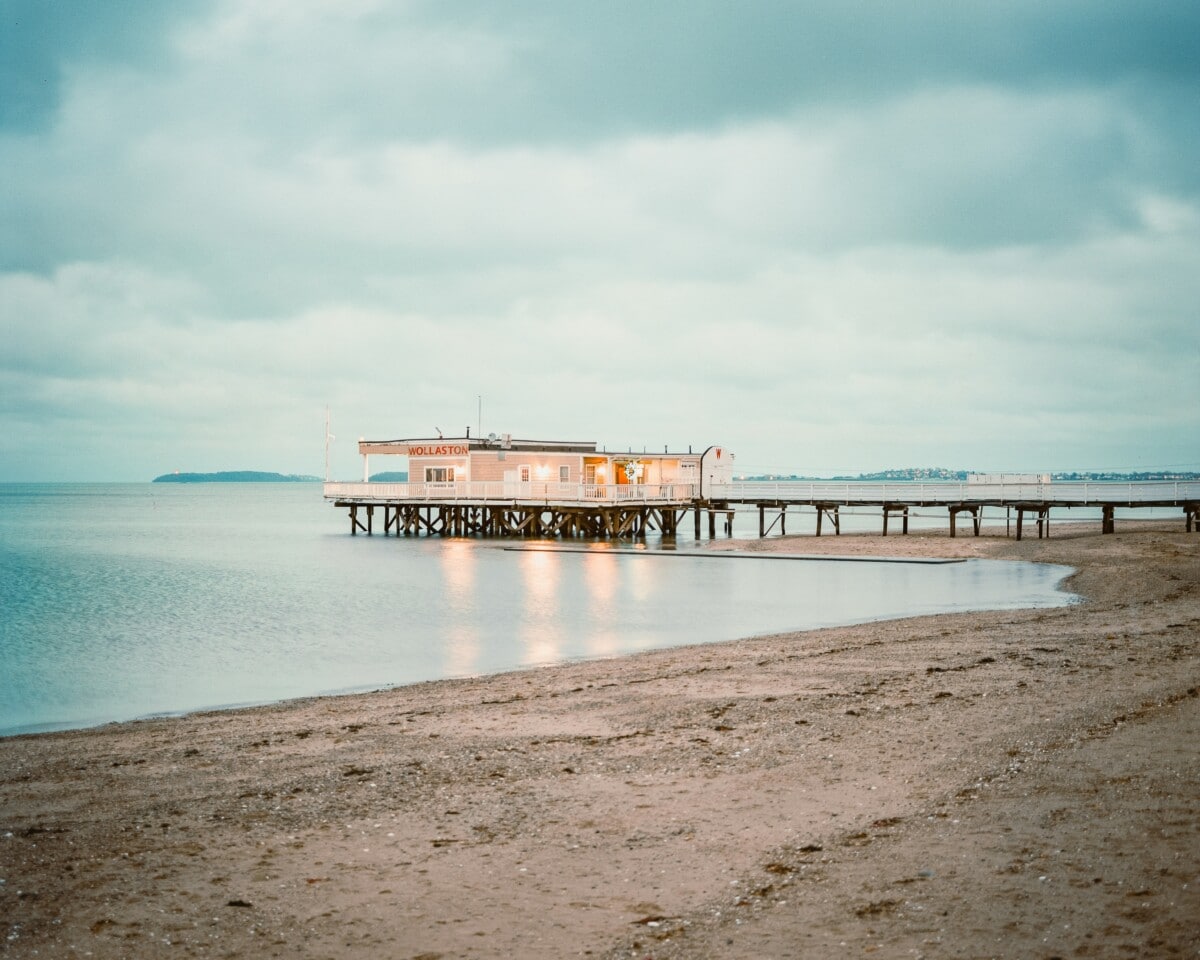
974 511
713 507
603 518
355 523
829 510
763 529
1043 519
889 511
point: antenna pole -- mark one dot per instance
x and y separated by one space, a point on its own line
479 425
326 444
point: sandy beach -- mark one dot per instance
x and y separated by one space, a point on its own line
1008 784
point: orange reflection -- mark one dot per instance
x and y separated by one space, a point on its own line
601 575
458 571
541 636
462 646
539 570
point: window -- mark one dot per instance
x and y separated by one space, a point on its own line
564 474
524 474
439 474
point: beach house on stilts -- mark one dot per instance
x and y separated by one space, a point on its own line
502 486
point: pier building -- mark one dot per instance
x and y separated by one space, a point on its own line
503 486
506 487
519 463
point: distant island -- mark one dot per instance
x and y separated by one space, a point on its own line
390 476
236 476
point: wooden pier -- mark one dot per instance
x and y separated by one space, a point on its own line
631 511
1027 502
540 520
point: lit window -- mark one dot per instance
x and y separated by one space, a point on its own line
564 474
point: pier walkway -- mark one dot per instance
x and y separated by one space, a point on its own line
895 500
625 511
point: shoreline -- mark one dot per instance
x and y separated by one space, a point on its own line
128 710
823 793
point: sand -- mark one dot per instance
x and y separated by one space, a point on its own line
1012 784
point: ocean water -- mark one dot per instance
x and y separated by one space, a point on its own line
128 600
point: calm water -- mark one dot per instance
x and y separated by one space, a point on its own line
121 601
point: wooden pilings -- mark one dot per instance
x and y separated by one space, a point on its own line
975 511
715 509
626 521
763 528
893 510
616 522
356 524
829 510
1042 513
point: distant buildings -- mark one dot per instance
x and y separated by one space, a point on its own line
944 475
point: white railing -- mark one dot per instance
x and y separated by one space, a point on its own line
1075 493
531 491
1068 493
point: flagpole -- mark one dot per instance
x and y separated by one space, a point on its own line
328 437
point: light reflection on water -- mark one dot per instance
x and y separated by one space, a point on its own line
601 575
540 628
127 600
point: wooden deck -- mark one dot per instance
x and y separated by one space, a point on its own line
622 511
532 492
895 500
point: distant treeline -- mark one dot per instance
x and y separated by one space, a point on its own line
390 476
235 476
943 475
936 474
932 474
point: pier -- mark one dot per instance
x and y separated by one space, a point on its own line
630 510
1026 501
522 510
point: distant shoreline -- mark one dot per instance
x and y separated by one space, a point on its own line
235 476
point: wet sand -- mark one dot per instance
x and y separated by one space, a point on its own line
1010 784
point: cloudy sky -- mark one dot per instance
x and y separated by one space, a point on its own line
834 236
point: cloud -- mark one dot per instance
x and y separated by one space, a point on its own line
830 238
967 168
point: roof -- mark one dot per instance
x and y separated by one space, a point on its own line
458 446
462 446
